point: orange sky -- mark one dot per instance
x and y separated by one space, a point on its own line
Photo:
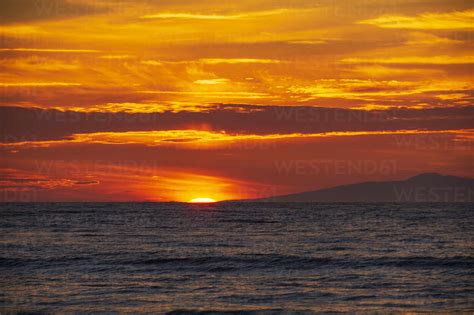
120 100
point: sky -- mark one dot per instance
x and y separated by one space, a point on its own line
147 100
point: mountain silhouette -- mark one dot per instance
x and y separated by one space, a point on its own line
427 187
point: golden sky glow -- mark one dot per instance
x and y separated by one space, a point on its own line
208 60
202 200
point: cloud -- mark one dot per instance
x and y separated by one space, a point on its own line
87 182
212 81
206 139
200 16
423 38
386 70
237 60
23 11
212 61
38 84
368 90
12 179
434 21
212 94
49 50
220 122
117 57
427 60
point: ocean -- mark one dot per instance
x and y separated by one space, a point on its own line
227 258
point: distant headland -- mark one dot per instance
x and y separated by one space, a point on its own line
426 187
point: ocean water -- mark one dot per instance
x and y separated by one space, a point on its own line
236 257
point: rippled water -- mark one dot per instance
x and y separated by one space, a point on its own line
152 257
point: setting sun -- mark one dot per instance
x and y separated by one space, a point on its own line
202 200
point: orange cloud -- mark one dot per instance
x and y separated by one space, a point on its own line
435 60
38 84
198 16
198 139
237 60
435 21
50 50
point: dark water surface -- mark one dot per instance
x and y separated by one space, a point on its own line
162 257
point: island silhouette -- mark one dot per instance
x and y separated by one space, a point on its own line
426 187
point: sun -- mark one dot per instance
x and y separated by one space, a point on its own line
202 200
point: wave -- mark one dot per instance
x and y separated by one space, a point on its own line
250 221
234 312
18 262
253 261
259 261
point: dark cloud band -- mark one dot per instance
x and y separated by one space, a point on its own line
34 124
